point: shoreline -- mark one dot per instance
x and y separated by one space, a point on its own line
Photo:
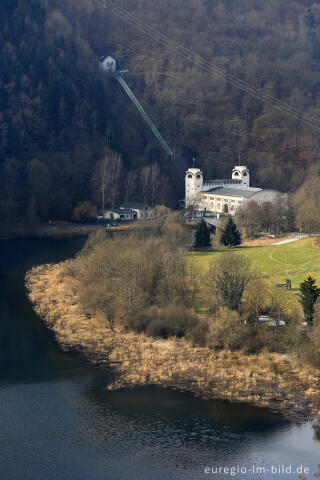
274 381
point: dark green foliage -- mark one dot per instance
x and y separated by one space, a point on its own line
309 293
58 115
52 125
202 235
230 236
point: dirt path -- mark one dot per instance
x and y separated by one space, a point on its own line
289 240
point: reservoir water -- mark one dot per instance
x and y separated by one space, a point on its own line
58 423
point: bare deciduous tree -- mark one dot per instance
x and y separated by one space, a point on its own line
107 177
145 181
231 276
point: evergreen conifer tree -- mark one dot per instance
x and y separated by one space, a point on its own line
202 235
230 235
309 293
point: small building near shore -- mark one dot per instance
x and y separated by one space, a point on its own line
120 214
143 212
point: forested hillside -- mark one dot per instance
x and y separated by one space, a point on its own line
52 115
59 115
274 46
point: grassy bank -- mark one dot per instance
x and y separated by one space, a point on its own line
275 381
295 260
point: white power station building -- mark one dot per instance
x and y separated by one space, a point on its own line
224 196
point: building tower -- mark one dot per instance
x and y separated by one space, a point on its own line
241 172
194 184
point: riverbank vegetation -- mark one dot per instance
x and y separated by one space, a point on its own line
148 283
279 381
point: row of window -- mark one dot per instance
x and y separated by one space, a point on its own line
219 199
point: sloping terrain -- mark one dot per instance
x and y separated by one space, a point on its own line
276 263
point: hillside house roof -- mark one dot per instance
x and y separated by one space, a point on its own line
121 211
135 206
245 192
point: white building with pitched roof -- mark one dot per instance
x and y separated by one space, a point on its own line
224 196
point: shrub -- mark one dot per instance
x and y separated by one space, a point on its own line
226 331
310 354
199 334
141 320
170 321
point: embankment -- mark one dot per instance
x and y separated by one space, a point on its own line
275 381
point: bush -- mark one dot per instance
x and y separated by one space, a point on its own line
84 210
199 334
170 321
141 320
310 354
226 331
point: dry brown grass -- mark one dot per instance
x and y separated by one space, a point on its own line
271 380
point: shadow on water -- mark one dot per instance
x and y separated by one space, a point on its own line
28 351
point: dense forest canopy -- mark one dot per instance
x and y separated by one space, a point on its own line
60 116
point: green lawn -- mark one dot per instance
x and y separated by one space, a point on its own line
295 260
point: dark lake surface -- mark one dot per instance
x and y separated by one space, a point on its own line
58 423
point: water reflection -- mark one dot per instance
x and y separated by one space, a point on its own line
316 429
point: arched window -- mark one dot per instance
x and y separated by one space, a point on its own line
236 174
225 208
245 174
190 175
198 176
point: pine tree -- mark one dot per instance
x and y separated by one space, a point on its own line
202 235
230 235
309 293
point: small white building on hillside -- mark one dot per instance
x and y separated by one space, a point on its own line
224 196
